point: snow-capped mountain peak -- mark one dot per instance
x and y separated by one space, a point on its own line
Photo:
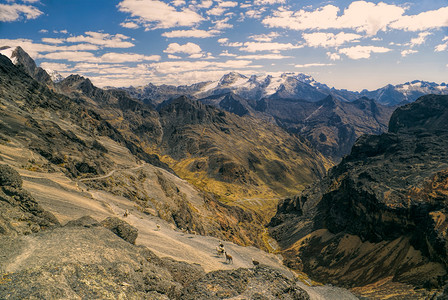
232 78
55 76
7 51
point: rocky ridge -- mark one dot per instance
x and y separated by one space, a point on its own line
381 212
89 259
332 126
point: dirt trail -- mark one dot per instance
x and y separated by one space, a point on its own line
112 173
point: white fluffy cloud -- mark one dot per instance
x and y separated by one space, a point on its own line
34 49
423 21
178 2
263 2
193 33
264 56
56 66
405 53
333 56
13 12
222 24
358 52
205 4
313 65
130 25
228 3
273 47
323 39
264 37
172 67
226 53
188 48
158 14
216 11
420 39
99 39
253 13
442 47
110 57
362 16
102 39
52 41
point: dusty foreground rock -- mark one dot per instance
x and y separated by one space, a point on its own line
77 262
87 259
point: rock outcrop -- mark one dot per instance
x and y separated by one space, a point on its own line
79 262
381 213
19 211
259 283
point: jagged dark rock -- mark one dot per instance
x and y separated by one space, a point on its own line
330 124
381 212
19 211
29 66
9 177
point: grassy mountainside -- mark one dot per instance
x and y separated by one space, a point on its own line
380 215
235 157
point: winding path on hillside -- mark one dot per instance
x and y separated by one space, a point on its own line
111 173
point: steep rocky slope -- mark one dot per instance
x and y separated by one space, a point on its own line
43 131
381 213
331 125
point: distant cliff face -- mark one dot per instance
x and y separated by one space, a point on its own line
382 212
332 126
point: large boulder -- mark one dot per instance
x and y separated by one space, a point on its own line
121 228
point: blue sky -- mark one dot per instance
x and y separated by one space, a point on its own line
345 44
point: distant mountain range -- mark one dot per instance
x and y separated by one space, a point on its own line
286 86
329 118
